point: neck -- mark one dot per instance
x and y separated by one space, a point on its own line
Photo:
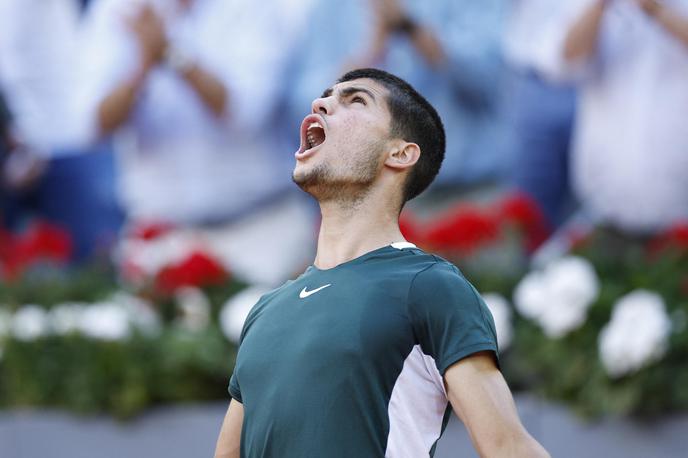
349 230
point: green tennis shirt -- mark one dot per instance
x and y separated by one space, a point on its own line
349 361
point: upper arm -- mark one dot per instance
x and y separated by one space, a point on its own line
481 398
229 440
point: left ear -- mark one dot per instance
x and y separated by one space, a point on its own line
402 155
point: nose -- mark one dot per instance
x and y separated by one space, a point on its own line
322 105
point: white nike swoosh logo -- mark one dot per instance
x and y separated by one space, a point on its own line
304 294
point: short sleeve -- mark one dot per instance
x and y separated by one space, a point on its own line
449 318
234 389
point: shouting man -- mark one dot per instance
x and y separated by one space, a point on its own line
369 350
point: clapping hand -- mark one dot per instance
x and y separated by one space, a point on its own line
149 30
388 14
650 7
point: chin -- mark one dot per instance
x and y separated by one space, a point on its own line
315 179
302 177
300 173
297 177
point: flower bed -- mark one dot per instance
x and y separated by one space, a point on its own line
602 327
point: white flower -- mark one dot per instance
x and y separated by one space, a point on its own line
559 296
195 308
29 323
65 318
236 309
637 334
531 296
573 280
141 313
105 321
557 320
501 312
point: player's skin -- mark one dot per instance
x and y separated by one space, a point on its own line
357 176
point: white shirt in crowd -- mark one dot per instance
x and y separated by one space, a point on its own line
630 161
37 70
531 25
177 161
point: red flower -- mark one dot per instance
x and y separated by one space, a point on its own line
16 255
410 228
523 212
47 241
676 237
151 230
198 269
40 242
464 229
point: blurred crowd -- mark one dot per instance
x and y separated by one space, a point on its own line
115 113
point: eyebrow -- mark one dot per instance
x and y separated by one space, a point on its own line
348 91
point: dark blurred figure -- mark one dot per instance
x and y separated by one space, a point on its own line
19 167
5 135
541 112
50 174
448 50
630 159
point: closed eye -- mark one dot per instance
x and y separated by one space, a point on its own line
358 99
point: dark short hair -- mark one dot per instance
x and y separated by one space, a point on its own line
413 120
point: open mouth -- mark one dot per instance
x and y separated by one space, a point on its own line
312 135
315 135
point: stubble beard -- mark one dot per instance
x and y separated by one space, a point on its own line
324 185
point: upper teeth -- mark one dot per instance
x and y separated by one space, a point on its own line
309 134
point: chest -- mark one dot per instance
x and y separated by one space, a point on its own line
310 329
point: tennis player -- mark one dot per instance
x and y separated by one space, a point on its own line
368 352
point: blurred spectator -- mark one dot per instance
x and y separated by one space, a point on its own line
187 87
47 174
630 58
37 69
449 50
541 112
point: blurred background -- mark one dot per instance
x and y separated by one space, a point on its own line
146 202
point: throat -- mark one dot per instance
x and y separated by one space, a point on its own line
345 236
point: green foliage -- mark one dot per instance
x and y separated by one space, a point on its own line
569 369
179 365
121 378
48 286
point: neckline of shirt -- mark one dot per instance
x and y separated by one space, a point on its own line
395 246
